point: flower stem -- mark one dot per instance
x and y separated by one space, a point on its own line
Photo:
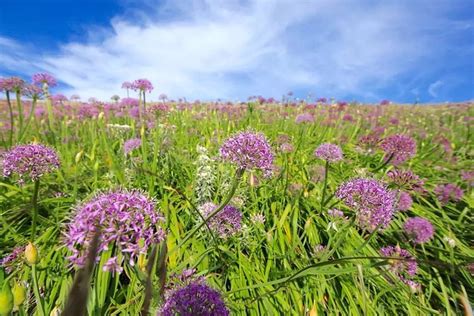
326 171
12 122
20 111
39 299
385 163
28 121
34 202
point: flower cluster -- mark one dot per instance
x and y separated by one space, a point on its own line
372 202
248 151
448 192
43 78
32 91
399 147
142 85
226 222
404 201
328 152
418 228
405 179
128 220
205 177
29 162
404 266
11 84
131 144
304 118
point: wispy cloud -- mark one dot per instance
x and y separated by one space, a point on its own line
227 49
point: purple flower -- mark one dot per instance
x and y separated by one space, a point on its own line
43 78
226 223
404 201
335 213
59 97
32 91
142 85
75 97
399 147
128 221
468 176
129 102
405 179
406 266
29 161
12 84
328 152
131 145
248 151
113 266
126 85
372 202
304 118
420 229
258 218
12 259
448 192
195 299
286 148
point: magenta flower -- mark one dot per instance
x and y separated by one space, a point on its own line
399 147
59 97
304 118
226 223
142 85
131 145
420 229
405 179
372 202
43 78
32 91
248 151
328 152
128 221
468 176
11 84
29 162
404 268
448 192
404 201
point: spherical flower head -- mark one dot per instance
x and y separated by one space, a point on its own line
420 229
126 85
59 97
372 202
399 147
406 266
404 201
405 179
468 176
286 148
304 118
195 299
335 213
328 152
131 145
248 151
32 91
128 220
29 162
142 85
227 222
448 192
12 84
41 79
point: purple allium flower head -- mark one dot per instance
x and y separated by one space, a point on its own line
420 229
59 97
226 223
404 201
128 220
468 176
131 144
335 213
405 179
399 147
43 78
448 192
11 259
29 161
286 148
372 202
258 218
126 85
142 85
32 91
11 84
328 152
304 118
112 265
248 151
401 268
195 299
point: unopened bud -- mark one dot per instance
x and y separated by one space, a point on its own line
6 299
79 156
19 294
31 254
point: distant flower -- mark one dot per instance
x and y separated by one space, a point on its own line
372 202
41 79
304 118
335 213
29 161
468 176
131 144
420 229
328 152
248 151
194 299
126 85
59 97
12 84
32 91
258 218
404 201
142 85
128 221
286 148
205 176
384 102
405 267
405 179
12 259
112 265
75 97
226 223
448 192
129 102
451 242
399 147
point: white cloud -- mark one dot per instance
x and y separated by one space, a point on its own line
232 50
433 89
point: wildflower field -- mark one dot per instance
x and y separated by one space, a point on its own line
264 207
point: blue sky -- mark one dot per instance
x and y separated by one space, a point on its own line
362 50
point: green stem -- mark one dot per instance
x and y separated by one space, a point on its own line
39 299
20 111
30 118
34 202
12 122
385 163
326 171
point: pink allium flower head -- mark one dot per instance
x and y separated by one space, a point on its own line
32 91
59 97
248 151
142 85
399 147
448 192
334 212
304 118
468 176
112 265
128 220
44 78
11 84
10 261
226 223
127 85
404 267
131 145
328 152
129 102
404 202
29 162
405 179
420 229
372 202
286 148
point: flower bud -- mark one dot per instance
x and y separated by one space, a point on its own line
79 156
31 254
19 294
6 299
